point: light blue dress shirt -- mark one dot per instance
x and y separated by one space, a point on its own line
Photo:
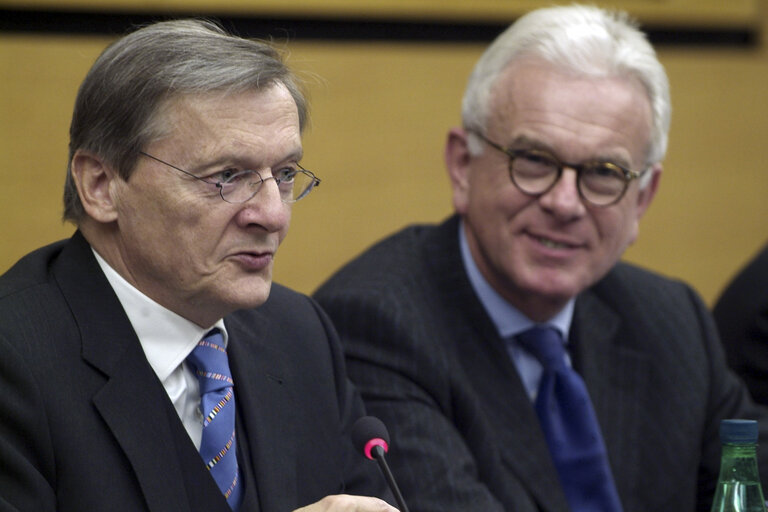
510 322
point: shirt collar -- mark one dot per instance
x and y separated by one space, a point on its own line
166 337
509 321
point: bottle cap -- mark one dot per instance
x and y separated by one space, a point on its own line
738 431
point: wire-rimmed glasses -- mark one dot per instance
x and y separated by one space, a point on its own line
535 172
239 187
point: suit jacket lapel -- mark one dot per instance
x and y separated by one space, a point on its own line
524 449
492 373
263 377
617 376
132 401
128 409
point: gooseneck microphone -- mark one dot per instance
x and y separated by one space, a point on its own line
370 436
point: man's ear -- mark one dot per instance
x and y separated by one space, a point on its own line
646 194
457 159
644 198
93 178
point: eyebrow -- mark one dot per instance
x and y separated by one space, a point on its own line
525 142
238 159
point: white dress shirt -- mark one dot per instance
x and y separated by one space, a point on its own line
167 339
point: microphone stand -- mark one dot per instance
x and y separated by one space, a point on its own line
378 453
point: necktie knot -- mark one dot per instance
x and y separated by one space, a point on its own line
210 364
546 345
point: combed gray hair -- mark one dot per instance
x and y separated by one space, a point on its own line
584 40
118 107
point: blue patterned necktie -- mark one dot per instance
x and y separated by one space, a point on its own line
570 426
217 403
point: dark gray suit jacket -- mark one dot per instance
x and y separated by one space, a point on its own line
465 436
87 426
741 314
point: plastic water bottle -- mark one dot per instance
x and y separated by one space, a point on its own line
738 486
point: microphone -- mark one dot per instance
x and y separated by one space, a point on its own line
370 436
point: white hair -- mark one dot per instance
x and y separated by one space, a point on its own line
584 40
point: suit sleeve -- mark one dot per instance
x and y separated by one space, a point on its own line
361 475
406 383
25 446
729 398
741 314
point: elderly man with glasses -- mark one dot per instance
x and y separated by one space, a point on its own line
517 363
148 363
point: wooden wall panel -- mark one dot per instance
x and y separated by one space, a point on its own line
379 117
674 12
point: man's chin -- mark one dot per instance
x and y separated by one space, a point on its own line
249 295
556 293
551 283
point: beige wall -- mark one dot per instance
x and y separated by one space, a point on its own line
380 114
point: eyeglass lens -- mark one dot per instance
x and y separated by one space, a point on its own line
244 185
600 183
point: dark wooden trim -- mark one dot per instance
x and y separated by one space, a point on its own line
339 29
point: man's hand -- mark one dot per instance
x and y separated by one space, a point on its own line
347 503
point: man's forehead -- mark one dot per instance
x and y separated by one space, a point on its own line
533 93
191 114
196 133
206 105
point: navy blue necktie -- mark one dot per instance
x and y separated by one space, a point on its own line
218 447
570 426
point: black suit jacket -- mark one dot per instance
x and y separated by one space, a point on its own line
741 314
87 426
465 436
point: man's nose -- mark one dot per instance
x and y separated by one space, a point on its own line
267 208
563 199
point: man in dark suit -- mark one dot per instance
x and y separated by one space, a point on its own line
565 118
154 333
741 314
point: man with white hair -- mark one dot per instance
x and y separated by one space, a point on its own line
517 363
